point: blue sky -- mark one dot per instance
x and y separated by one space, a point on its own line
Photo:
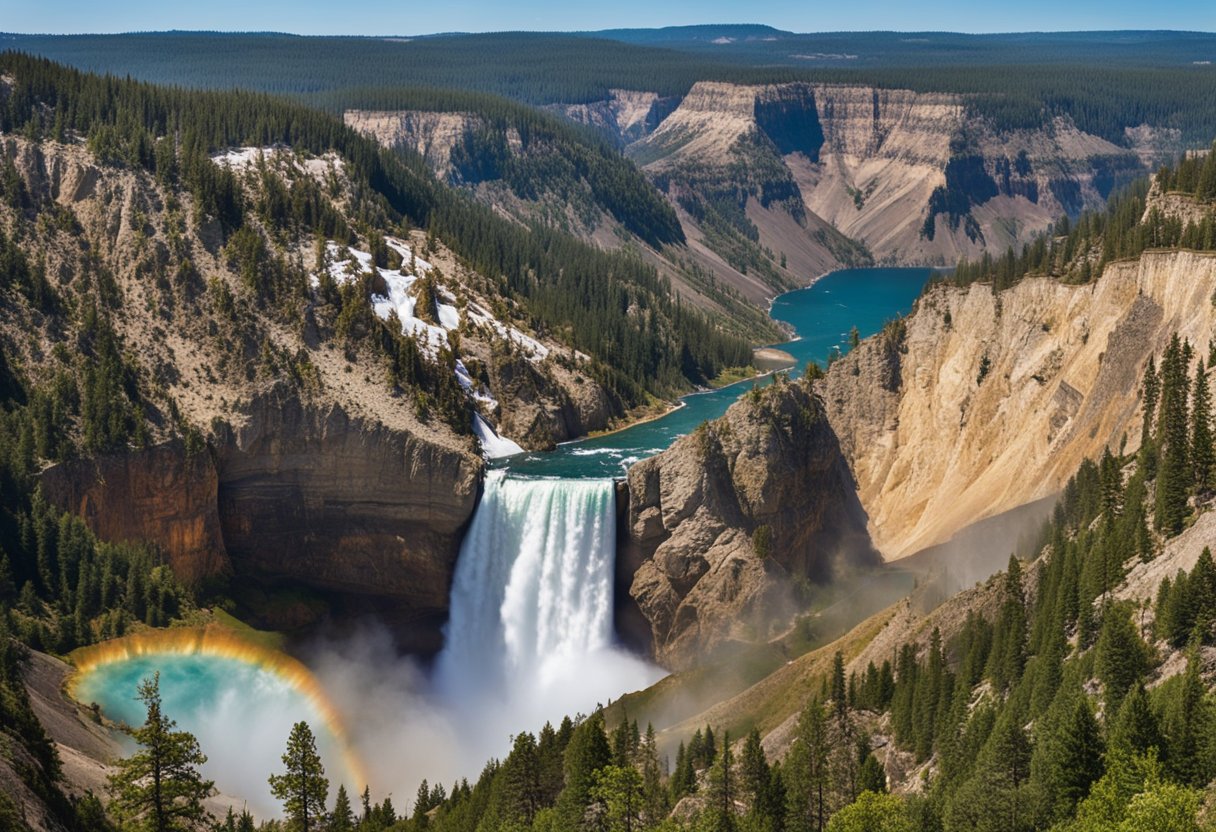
373 17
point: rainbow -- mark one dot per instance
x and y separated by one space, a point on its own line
221 642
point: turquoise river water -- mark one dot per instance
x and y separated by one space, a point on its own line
821 315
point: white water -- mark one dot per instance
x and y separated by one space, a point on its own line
530 630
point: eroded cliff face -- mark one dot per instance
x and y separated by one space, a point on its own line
991 400
162 494
625 117
309 494
722 525
431 135
913 176
305 468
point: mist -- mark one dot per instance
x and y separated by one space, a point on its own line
406 725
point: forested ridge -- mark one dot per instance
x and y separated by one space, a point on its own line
611 306
1077 251
554 155
1013 81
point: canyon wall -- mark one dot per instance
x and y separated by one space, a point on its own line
914 176
725 525
161 494
985 402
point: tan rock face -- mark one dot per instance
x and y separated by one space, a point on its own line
866 161
299 494
161 494
721 524
431 135
941 448
336 503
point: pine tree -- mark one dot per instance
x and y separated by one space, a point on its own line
872 777
1136 729
1175 476
1148 395
159 788
342 818
1202 459
587 753
1188 720
653 793
304 788
422 803
682 778
619 789
840 702
550 746
1008 657
723 789
806 775
1081 755
754 775
1122 656
518 795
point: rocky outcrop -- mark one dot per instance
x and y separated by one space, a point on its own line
312 479
1000 396
725 523
429 134
162 494
625 117
541 404
311 495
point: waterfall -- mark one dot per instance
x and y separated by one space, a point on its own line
533 585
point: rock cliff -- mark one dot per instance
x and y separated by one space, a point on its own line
308 494
728 522
269 451
161 493
985 401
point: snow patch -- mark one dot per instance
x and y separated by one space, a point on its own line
535 350
493 445
345 265
244 158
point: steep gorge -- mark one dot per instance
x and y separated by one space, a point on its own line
988 401
914 176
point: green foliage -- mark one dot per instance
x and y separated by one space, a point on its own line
806 772
612 306
1122 656
873 812
620 790
1012 81
303 787
159 787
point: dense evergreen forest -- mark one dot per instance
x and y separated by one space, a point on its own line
1016 81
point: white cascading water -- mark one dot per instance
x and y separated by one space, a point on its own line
530 628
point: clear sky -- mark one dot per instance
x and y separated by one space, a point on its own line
378 17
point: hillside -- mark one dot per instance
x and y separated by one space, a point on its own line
914 177
1031 379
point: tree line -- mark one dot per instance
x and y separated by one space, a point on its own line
612 306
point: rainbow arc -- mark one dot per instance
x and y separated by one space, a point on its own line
221 642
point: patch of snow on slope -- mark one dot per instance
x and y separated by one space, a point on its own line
243 158
535 350
476 392
398 300
344 268
493 445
